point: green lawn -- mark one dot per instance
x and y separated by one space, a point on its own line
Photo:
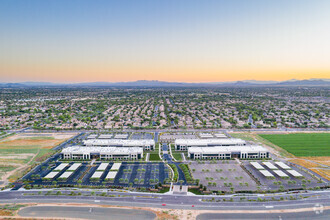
177 156
164 190
302 144
195 191
153 157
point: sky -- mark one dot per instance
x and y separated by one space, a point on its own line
169 40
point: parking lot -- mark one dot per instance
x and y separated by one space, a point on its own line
222 175
288 182
140 135
178 135
134 174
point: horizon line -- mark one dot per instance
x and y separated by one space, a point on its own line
155 80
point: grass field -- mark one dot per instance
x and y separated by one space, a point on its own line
302 144
19 152
154 157
177 156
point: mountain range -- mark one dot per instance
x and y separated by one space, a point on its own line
156 83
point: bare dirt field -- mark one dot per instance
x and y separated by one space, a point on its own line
23 150
319 165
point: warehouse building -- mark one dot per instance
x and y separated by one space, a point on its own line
145 144
103 153
184 144
221 152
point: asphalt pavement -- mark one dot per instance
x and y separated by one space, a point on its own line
324 215
86 213
172 201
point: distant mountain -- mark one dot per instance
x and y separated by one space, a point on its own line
310 82
260 82
41 83
12 85
151 83
156 83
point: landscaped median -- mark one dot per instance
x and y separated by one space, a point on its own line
187 174
175 172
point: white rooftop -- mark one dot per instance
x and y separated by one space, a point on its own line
257 165
74 166
111 175
103 166
206 135
105 136
280 173
283 165
115 166
225 149
209 142
294 173
270 165
92 136
51 175
102 150
97 174
61 166
220 135
119 143
66 174
121 136
266 173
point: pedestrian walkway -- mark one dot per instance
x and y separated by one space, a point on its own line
183 157
177 189
93 161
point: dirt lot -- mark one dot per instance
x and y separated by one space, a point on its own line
319 165
23 150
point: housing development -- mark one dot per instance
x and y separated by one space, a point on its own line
164 108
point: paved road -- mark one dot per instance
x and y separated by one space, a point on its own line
86 213
156 137
171 201
165 147
325 215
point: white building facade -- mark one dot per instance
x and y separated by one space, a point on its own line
185 144
221 152
103 153
148 144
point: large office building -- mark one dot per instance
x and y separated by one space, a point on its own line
103 153
185 144
221 152
148 144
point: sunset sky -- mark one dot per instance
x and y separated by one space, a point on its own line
182 41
